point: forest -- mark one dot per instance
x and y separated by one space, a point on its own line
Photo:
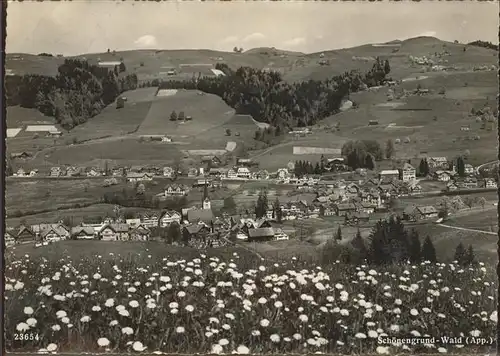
78 92
267 98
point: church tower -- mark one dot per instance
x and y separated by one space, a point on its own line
206 199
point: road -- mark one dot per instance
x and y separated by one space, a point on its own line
467 229
478 168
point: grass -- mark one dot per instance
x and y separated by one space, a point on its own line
207 111
337 315
48 194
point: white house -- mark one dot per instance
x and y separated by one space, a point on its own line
243 172
279 234
468 168
175 190
442 176
283 173
408 172
232 173
490 183
150 220
169 217
168 172
139 177
83 233
115 232
133 223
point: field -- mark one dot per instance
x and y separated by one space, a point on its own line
290 307
28 196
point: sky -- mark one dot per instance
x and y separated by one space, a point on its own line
90 26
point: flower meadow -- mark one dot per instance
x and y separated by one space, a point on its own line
214 304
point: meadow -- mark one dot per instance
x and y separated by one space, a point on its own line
174 300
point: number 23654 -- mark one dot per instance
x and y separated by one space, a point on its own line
26 337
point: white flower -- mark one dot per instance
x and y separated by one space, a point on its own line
103 342
127 331
255 333
28 310
133 303
22 327
55 327
275 338
51 347
85 319
442 350
494 316
372 334
297 336
124 312
189 308
109 302
382 350
264 323
303 318
113 323
138 346
242 350
31 322
61 314
216 349
360 336
475 333
180 330
414 312
223 342
65 320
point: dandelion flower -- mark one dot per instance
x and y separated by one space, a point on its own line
216 349
31 322
275 338
360 336
22 327
382 350
242 350
51 347
264 323
223 342
127 331
133 303
103 342
28 310
180 330
189 308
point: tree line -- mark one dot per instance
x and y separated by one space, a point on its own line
140 198
78 92
362 153
267 98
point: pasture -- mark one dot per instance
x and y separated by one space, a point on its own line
207 111
39 195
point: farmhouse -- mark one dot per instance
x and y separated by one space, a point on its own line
13 132
21 155
407 172
9 239
344 209
389 174
468 168
25 234
139 177
232 173
195 232
82 233
438 162
467 183
150 220
465 128
140 233
118 172
192 172
490 183
115 232
133 222
94 172
442 176
200 215
451 186
218 172
262 175
243 173
261 234
176 190
33 173
426 212
20 172
54 232
211 160
55 172
72 171
169 217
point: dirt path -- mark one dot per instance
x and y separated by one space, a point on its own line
467 229
271 149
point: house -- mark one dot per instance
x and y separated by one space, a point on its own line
72 171
442 176
451 186
168 172
283 173
33 173
166 139
55 172
192 172
118 172
467 183
140 233
150 220
438 162
344 209
261 234
21 155
55 232
200 215
407 173
366 207
243 173
133 223
240 234
82 233
25 234
9 239
211 160
232 173
94 172
176 190
139 177
490 183
357 218
468 169
21 172
279 234
409 213
197 232
388 175
426 212
168 217
414 188
218 172
202 183
115 232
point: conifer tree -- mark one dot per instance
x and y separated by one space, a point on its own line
428 250
460 254
415 247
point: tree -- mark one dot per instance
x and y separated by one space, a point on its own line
389 242
229 205
181 116
470 258
428 250
460 166
415 247
122 67
228 132
173 116
261 205
389 149
387 67
482 202
369 162
141 189
459 254
278 213
338 235
359 244
173 232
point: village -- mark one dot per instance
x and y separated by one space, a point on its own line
355 198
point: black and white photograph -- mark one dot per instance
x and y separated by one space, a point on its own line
251 177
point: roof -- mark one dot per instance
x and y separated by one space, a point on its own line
194 228
57 228
427 209
116 227
41 128
205 215
243 170
261 232
82 229
390 171
175 186
13 132
346 206
138 175
438 159
408 166
219 170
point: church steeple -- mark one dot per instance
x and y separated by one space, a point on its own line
206 200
